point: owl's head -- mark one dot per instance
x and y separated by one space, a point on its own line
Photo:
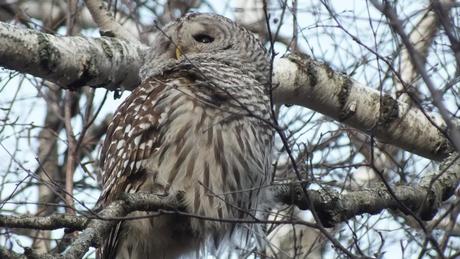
201 36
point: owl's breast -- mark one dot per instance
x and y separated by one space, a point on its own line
217 157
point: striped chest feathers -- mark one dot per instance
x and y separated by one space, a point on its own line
213 154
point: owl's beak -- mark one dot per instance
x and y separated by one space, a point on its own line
178 52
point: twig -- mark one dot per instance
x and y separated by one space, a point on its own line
51 222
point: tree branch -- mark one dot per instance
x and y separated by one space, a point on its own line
98 228
45 222
306 82
417 60
423 199
71 62
422 36
112 63
107 24
332 207
95 229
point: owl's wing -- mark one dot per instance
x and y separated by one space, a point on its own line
131 137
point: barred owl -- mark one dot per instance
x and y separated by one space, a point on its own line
198 127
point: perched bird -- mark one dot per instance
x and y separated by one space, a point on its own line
197 127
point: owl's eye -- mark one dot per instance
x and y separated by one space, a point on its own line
203 38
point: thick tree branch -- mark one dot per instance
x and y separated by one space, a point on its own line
306 82
423 199
71 62
111 63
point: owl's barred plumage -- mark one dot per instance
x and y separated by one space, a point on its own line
196 127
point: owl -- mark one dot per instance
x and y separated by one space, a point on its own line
197 127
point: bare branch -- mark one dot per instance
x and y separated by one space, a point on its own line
44 223
71 61
422 36
442 8
417 61
107 24
48 170
423 199
97 229
306 82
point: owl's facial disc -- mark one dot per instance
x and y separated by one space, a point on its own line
197 37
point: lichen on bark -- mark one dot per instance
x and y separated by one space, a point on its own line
389 111
343 95
47 53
